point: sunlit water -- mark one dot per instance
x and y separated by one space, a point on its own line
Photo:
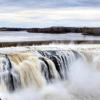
25 36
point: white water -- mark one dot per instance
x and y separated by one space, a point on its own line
83 84
24 36
83 81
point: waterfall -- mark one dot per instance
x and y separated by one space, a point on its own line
51 74
20 70
48 69
62 60
28 68
6 77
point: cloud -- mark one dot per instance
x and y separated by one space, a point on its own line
49 12
49 3
59 17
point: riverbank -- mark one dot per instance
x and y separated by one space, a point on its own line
95 31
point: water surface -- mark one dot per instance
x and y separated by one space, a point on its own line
25 36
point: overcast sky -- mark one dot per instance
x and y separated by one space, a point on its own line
45 13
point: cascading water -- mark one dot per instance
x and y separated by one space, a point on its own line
50 74
62 60
24 69
9 78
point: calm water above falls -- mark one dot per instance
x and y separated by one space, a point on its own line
24 36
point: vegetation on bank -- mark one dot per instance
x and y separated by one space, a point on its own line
58 30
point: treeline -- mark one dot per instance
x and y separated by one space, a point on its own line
84 30
13 29
58 30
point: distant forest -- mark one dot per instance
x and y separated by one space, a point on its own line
58 30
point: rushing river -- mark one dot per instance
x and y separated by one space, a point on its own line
24 36
60 74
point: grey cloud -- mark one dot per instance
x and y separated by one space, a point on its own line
49 3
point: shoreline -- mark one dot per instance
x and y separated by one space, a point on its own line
30 43
94 31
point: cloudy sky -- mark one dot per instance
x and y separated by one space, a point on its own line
45 13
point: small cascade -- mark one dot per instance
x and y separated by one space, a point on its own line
48 70
6 77
28 67
62 60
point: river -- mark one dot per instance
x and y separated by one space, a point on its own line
25 36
